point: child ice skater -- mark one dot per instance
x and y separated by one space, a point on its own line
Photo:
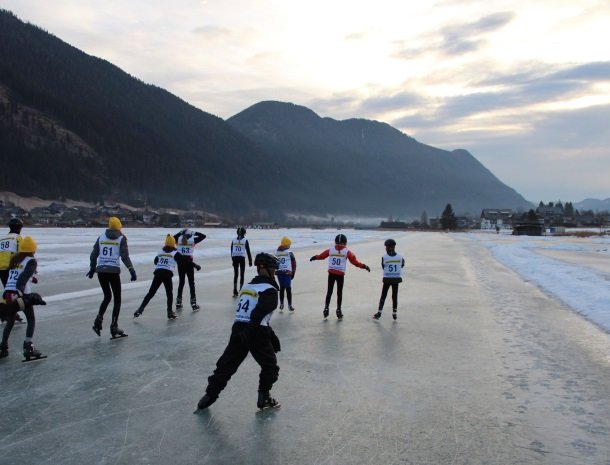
165 264
22 270
252 334
239 249
186 240
337 263
392 265
285 272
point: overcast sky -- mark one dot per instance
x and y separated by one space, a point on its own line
524 85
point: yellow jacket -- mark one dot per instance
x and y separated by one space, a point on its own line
9 244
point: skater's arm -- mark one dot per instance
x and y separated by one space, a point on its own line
293 261
320 256
178 234
267 302
94 254
199 237
26 275
249 255
354 261
403 263
124 251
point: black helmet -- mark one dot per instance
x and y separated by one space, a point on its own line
241 231
266 260
390 243
341 239
15 223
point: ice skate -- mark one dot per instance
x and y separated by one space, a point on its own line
116 332
97 324
339 314
172 316
282 307
3 350
30 352
194 305
290 308
266 402
394 314
325 313
205 402
179 304
376 316
235 294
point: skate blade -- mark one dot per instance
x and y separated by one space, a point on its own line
119 336
34 359
267 409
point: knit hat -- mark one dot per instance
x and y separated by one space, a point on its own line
27 245
114 223
170 241
285 242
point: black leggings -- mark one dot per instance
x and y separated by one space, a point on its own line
329 292
384 294
259 345
158 279
239 266
10 322
188 271
111 286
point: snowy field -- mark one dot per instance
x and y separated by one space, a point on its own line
575 270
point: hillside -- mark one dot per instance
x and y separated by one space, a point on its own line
368 167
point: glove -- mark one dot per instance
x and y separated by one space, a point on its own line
367 268
133 274
312 258
90 274
275 342
250 264
34 280
197 267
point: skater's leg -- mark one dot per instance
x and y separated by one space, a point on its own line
289 296
329 289
154 286
235 273
115 285
394 296
263 353
282 292
169 290
340 280
181 276
190 274
8 327
31 319
384 294
104 279
226 366
242 271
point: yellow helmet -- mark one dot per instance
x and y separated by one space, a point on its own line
114 223
27 245
170 241
285 242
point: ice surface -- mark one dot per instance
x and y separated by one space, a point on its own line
482 366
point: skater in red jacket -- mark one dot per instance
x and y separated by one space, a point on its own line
337 262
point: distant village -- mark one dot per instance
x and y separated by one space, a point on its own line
552 217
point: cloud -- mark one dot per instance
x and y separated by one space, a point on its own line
212 32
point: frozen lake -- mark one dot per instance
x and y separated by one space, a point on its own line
500 355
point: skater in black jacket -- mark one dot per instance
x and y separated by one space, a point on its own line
186 240
165 264
251 333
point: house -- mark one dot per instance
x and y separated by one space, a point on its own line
494 218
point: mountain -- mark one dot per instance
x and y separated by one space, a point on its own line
595 205
76 126
366 167
73 125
